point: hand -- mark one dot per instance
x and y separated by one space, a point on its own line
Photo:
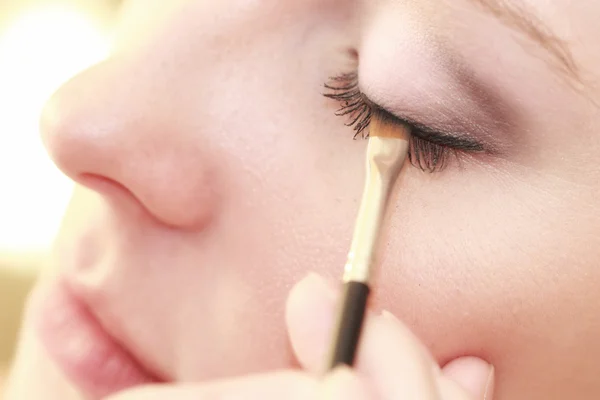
391 364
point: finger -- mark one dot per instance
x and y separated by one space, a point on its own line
472 374
343 383
396 361
309 317
272 386
390 355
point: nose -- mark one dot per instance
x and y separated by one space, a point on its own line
102 126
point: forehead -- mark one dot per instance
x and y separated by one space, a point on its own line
566 31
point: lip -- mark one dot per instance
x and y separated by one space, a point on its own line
75 340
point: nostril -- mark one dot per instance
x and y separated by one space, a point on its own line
114 192
103 185
143 204
124 201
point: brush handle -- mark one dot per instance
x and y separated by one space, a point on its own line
351 315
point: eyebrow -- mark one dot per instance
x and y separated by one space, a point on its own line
515 16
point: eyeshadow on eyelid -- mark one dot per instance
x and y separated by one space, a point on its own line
483 118
438 88
430 149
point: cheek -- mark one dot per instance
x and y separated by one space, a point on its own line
481 263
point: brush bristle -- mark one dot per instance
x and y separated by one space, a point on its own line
385 125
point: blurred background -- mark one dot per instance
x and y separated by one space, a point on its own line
43 43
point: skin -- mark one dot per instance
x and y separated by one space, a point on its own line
214 176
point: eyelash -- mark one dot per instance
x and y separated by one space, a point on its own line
423 154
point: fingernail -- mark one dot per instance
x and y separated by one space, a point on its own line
343 383
315 283
390 318
488 392
342 370
474 375
385 314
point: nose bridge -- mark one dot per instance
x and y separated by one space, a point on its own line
110 122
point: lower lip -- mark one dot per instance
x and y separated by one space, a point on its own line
76 342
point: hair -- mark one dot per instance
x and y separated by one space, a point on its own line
516 16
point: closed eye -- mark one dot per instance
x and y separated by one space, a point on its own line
429 150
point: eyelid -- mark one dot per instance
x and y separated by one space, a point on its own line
445 139
458 142
429 150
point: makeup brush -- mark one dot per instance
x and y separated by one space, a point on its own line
386 151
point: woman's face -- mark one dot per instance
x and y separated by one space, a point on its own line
214 175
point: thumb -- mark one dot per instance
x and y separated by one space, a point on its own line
472 374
